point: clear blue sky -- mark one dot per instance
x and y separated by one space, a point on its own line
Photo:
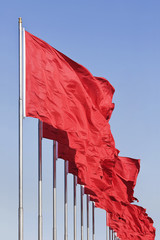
119 40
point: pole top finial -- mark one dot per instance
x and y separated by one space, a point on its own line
20 20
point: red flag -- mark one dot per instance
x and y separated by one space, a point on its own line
121 192
115 198
134 224
110 198
60 92
124 179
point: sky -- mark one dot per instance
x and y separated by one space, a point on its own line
118 40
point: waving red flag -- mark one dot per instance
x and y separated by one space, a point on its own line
124 179
60 92
88 158
65 95
106 196
134 224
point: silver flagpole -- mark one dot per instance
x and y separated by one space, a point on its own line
20 209
54 190
88 198
65 202
106 226
110 233
81 212
75 200
93 222
39 180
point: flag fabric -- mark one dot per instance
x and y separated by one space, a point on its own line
60 92
124 179
106 196
103 99
75 108
85 169
134 224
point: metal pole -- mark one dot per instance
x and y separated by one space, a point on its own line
75 200
81 212
88 198
65 202
39 180
20 209
106 226
93 222
24 74
54 190
110 233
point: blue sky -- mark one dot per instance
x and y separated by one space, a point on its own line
119 40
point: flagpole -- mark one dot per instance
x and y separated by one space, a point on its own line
20 209
106 226
75 200
65 202
54 190
93 222
39 180
109 233
88 198
81 212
